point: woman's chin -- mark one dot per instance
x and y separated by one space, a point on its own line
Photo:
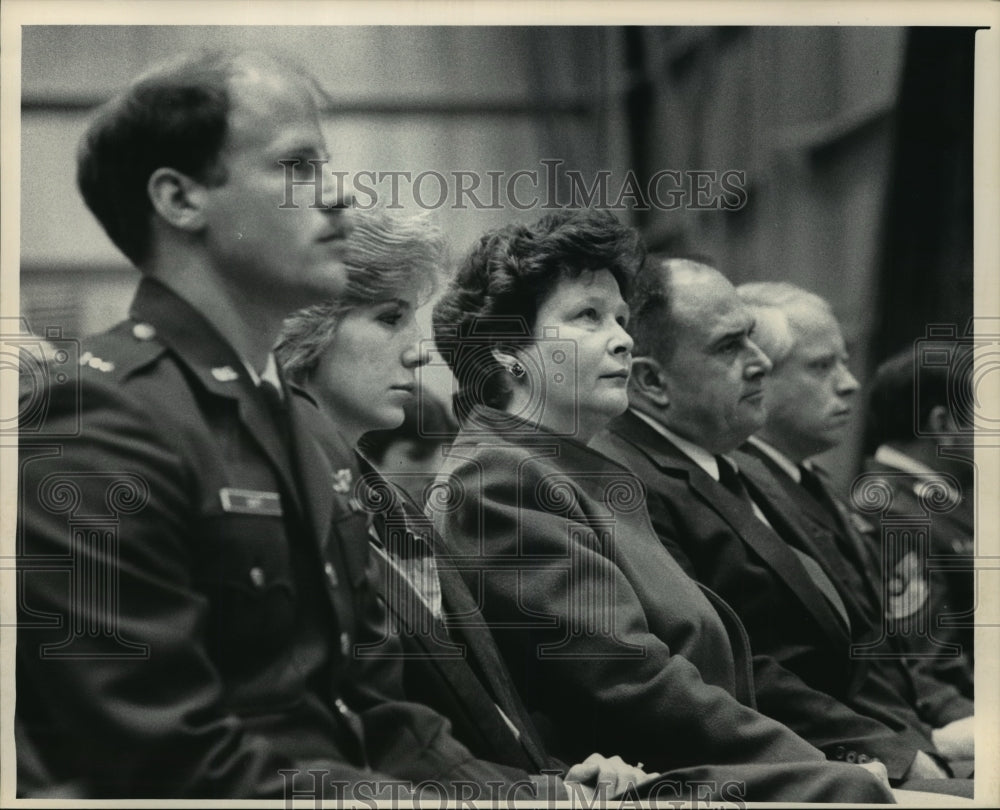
386 418
597 415
612 405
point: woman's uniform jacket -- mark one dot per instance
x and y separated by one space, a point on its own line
192 584
451 665
806 675
612 647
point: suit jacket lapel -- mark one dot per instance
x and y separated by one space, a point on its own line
771 548
837 543
806 502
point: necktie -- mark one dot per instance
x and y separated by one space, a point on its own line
731 479
277 406
812 484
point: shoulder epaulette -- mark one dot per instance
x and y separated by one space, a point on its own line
118 352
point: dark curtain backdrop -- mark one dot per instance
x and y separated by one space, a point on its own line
926 269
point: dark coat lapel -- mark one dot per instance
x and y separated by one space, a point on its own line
328 473
814 510
313 468
771 548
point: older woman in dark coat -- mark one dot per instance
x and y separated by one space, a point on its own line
612 646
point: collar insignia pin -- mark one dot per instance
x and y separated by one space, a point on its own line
342 480
225 374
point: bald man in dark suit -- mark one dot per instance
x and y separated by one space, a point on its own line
696 394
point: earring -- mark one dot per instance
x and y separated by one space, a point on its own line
516 370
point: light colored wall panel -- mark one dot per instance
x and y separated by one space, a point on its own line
415 99
56 227
356 63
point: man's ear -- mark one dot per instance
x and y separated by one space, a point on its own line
649 381
178 199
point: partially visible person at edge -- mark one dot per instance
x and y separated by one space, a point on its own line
608 641
356 358
175 469
919 455
696 394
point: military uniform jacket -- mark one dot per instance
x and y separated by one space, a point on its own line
943 586
449 662
605 636
804 673
192 587
854 565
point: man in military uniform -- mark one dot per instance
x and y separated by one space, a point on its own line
193 576
921 434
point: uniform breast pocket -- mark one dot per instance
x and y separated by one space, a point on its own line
246 573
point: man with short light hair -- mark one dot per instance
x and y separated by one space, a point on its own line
809 399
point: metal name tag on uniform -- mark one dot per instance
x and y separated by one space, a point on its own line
250 502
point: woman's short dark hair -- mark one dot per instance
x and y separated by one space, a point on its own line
494 298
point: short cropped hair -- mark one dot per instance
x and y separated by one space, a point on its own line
903 394
386 252
174 116
782 310
651 304
493 300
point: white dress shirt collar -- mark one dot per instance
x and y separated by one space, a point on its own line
779 458
269 374
891 457
699 455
